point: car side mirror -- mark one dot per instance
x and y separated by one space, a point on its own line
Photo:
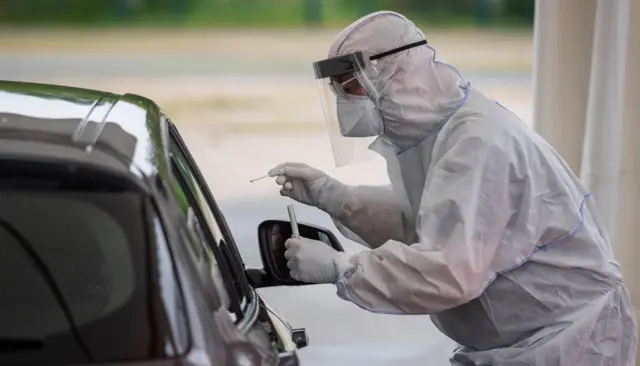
272 234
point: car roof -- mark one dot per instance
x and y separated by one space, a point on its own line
122 133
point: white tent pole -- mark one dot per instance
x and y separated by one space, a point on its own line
600 166
563 39
627 244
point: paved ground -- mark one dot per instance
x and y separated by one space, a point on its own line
246 101
488 50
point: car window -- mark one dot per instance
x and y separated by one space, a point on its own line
79 263
210 269
202 221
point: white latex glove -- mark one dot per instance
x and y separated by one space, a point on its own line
313 261
310 186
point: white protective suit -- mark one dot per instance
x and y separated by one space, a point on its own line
485 227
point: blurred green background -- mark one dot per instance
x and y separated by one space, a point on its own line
263 13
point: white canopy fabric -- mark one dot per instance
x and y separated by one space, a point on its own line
586 69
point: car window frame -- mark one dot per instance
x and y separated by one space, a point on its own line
198 244
231 258
210 201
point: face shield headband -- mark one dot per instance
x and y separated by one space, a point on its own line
343 69
348 91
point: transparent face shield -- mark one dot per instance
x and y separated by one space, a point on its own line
339 82
349 95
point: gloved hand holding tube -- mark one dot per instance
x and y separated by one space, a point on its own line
312 261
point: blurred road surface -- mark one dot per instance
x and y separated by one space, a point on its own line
38 65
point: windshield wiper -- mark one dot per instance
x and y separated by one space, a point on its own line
43 269
8 345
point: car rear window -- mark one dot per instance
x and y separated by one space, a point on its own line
80 274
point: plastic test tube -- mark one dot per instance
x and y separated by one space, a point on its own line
294 222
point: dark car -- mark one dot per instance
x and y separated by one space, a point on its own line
112 248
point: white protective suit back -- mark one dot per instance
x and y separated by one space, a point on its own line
498 241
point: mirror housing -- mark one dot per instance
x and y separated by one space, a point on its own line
272 234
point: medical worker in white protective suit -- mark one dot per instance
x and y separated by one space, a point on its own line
484 226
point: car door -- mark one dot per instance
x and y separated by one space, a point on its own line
246 306
204 219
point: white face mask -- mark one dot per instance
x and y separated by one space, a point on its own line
359 117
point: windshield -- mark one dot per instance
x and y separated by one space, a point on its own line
84 274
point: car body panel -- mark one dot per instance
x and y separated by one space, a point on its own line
127 136
122 132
